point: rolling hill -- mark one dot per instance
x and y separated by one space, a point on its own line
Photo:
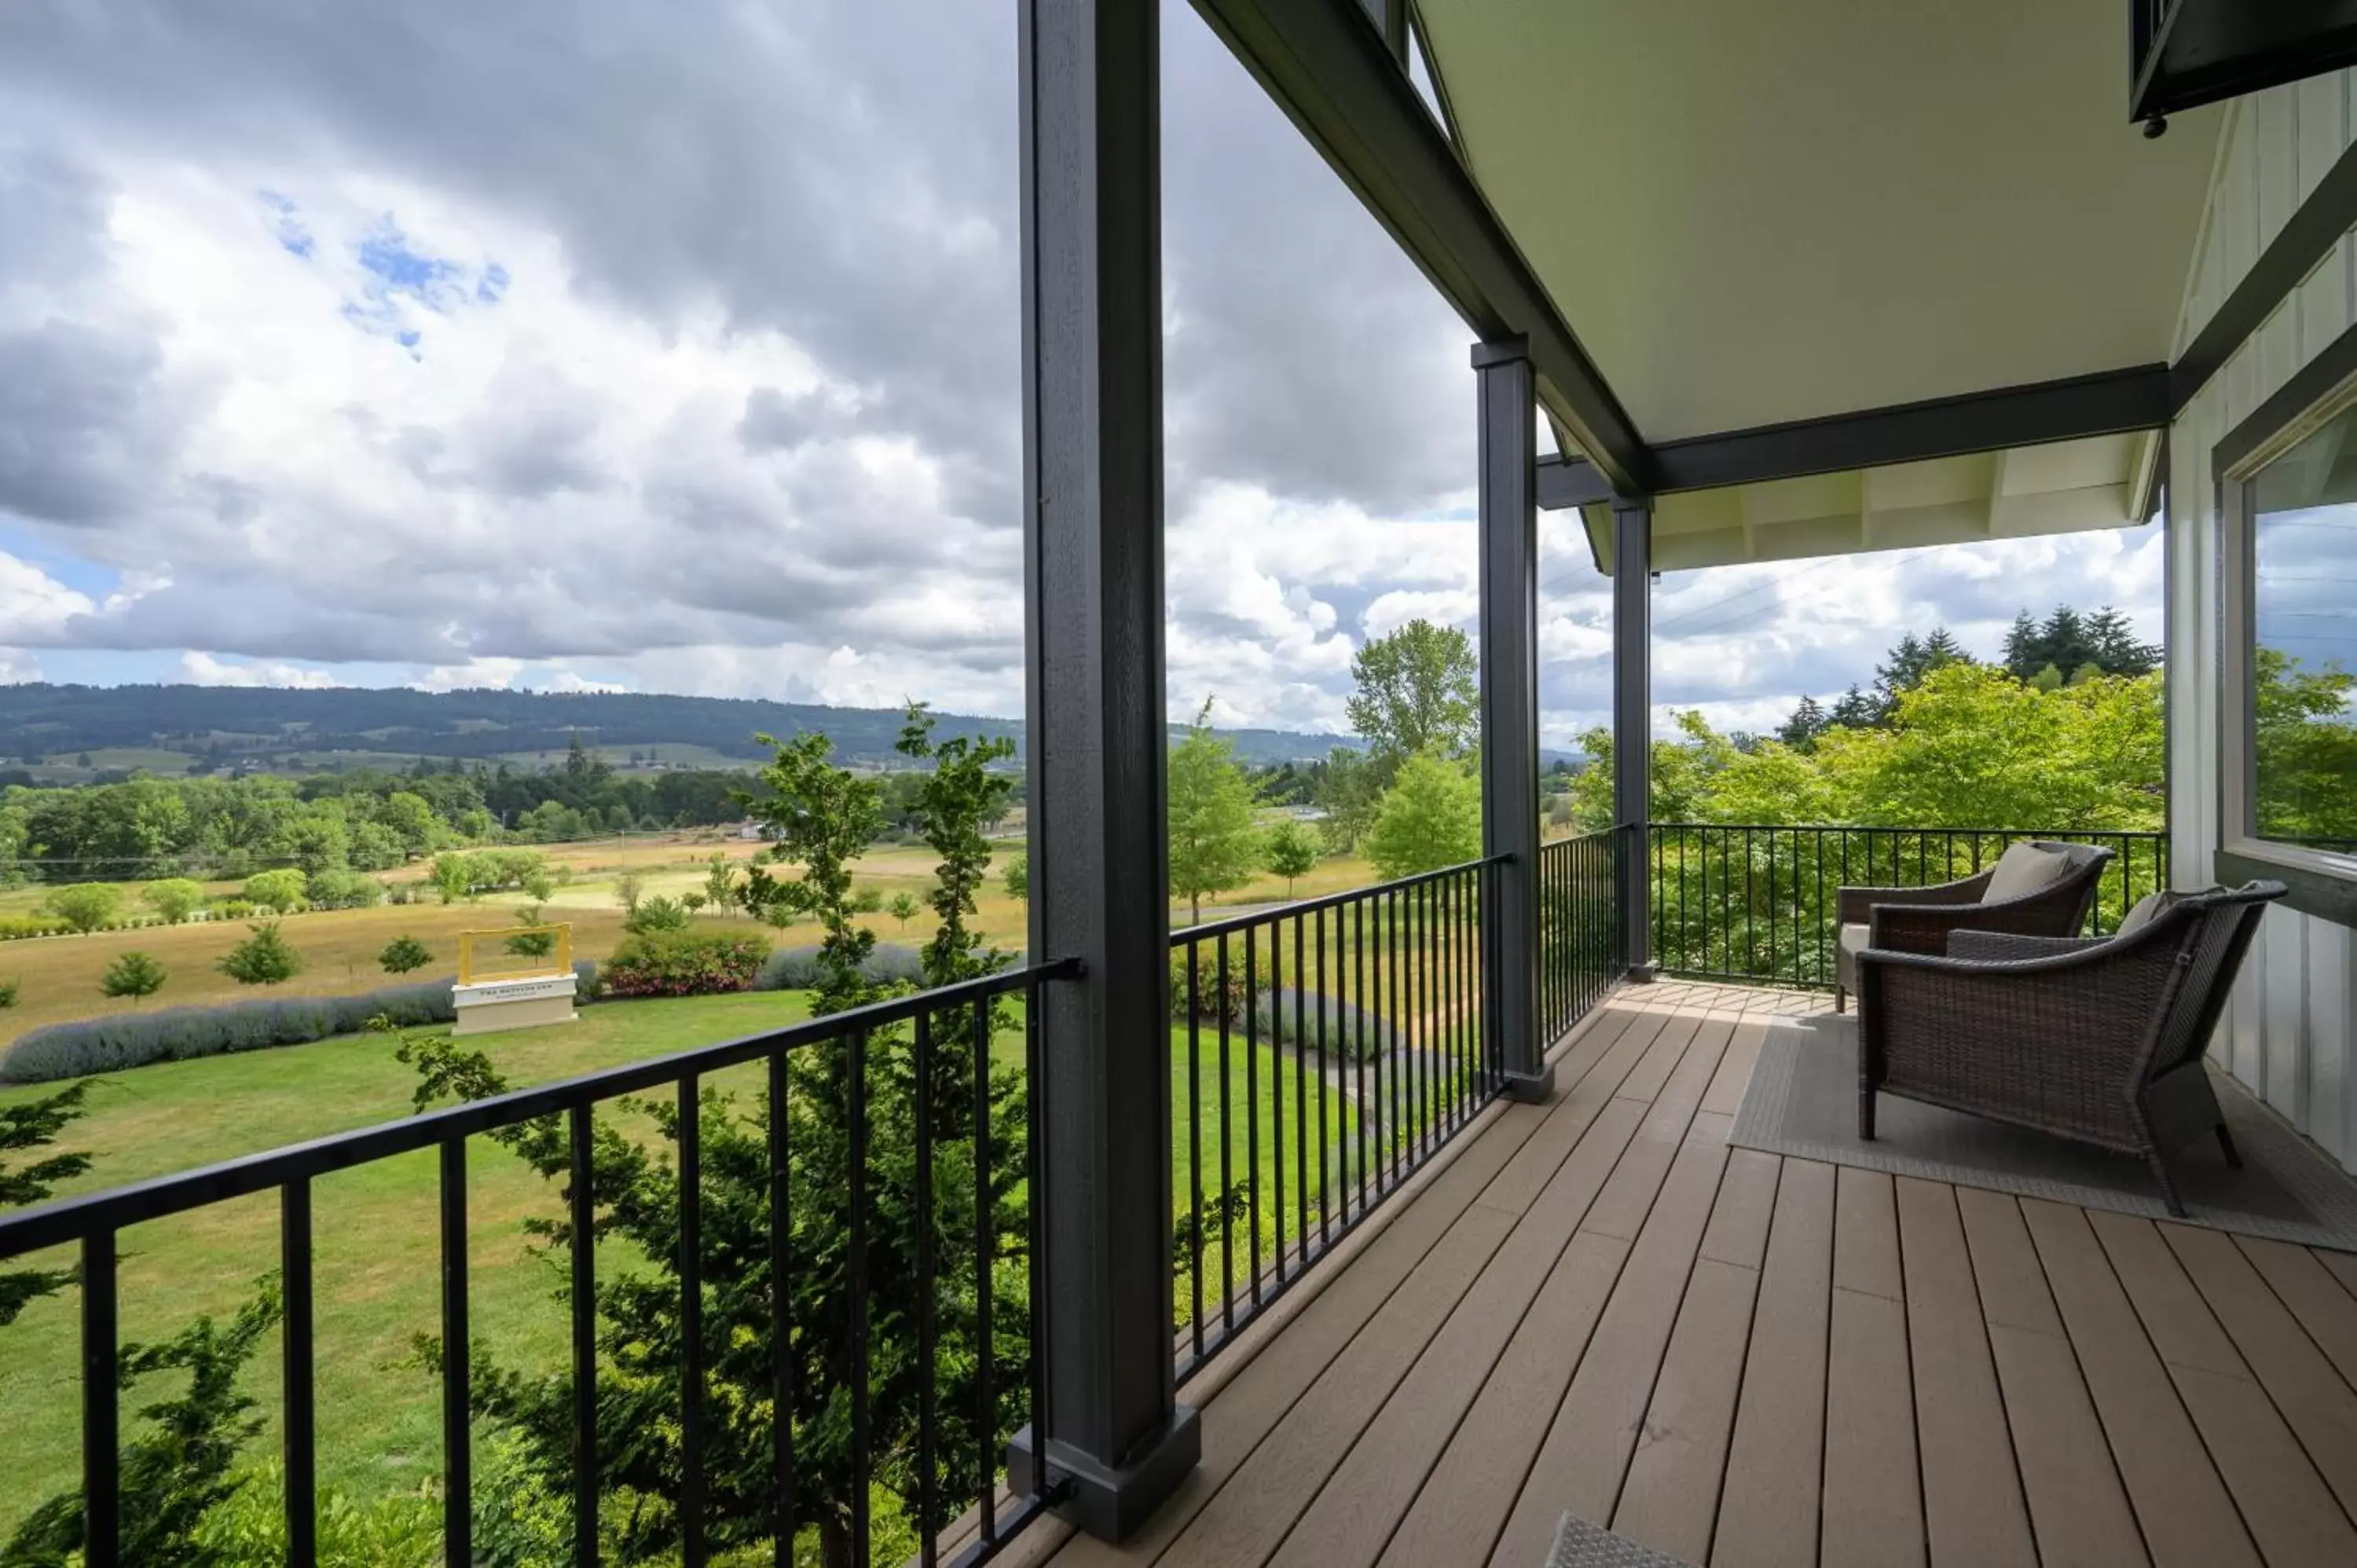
51 729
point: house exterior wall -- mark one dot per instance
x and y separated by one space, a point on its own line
2288 1033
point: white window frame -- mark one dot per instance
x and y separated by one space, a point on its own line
2237 638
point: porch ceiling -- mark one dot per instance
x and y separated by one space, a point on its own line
1757 213
2062 486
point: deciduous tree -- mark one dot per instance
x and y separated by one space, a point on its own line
1431 817
1292 853
1418 691
1215 836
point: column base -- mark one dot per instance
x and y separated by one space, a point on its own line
1109 1502
1643 973
1532 1088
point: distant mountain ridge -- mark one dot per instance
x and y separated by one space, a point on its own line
256 724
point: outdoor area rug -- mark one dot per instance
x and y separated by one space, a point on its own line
1580 1544
1803 1102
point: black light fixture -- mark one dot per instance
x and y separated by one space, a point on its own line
2188 52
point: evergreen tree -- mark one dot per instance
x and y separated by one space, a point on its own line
2117 652
403 954
36 1125
264 957
1909 660
1808 720
132 975
1854 711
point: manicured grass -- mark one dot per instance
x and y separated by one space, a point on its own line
376 1253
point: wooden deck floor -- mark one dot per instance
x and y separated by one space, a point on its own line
1595 1305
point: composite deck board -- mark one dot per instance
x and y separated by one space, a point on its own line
2079 1510
1768 1504
1598 1305
1973 1511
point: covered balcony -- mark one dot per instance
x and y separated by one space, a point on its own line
1421 1223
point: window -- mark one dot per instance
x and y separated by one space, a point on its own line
2294 636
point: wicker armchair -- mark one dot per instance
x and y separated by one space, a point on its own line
2098 1039
1917 919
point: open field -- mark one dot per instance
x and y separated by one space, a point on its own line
376 1259
60 975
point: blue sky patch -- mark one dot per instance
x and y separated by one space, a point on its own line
293 237
400 279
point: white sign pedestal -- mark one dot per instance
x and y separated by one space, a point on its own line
489 1005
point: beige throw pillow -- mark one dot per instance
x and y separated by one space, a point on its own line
2025 869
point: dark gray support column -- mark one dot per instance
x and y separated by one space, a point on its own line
1099 884
1632 719
1509 710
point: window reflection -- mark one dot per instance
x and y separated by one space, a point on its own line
2304 664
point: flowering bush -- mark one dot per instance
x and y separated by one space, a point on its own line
685 963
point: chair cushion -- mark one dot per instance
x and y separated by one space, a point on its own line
2142 913
2022 870
1852 942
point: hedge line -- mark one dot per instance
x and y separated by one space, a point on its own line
183 1034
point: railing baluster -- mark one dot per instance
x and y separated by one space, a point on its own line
102 1396
581 1216
782 1392
1251 1103
1195 1134
691 1325
862 1461
1327 1175
1300 1102
985 1252
457 1456
302 1437
1359 1051
1227 1148
1037 1304
928 1515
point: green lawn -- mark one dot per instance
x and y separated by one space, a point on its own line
376 1257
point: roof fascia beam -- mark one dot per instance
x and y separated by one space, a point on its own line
2111 403
1329 66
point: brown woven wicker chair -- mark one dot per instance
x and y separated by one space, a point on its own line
1917 919
2098 1039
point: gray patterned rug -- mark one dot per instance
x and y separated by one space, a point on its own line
1803 1102
1580 1544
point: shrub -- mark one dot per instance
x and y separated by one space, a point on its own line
133 974
284 890
403 953
1352 1033
685 963
87 905
8 990
345 890
656 914
797 968
14 926
1018 876
1212 1004
233 910
174 897
263 959
125 1041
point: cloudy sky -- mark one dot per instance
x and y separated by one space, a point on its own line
674 347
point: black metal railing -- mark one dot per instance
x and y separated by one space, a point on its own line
1323 1050
1581 955
942 1042
1757 902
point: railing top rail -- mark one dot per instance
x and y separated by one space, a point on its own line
1326 901
73 1219
2049 832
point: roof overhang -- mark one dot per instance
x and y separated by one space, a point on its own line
1784 266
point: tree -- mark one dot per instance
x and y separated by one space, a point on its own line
36 1125
264 957
1418 691
282 890
175 898
1910 660
1350 794
1809 720
657 913
9 991
1215 836
960 796
1292 853
403 953
1018 876
536 940
2306 742
868 901
1855 710
719 881
1431 817
903 907
628 885
132 975
87 905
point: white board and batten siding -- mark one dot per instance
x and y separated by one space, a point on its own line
2289 1032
